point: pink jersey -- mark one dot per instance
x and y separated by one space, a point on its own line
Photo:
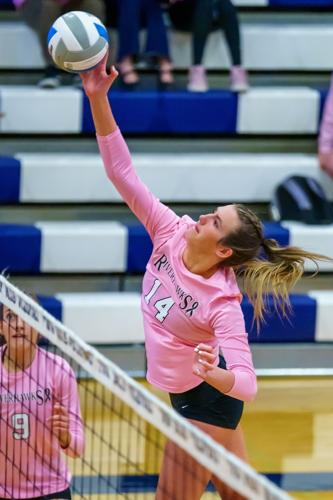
325 141
180 309
31 459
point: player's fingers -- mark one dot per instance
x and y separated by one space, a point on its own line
59 428
207 356
58 408
204 347
206 364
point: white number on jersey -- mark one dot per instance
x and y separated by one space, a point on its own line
163 305
20 422
153 290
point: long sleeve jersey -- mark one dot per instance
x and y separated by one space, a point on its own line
31 458
325 142
180 308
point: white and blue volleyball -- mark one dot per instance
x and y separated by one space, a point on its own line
77 41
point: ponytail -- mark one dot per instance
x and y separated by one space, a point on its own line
275 273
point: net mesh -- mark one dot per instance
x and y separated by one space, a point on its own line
70 417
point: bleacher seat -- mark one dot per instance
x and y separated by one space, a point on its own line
104 247
262 110
210 177
269 46
89 314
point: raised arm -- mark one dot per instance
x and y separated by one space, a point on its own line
116 157
325 140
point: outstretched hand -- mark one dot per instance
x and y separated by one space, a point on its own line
204 360
97 81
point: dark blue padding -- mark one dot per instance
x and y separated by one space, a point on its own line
301 3
300 327
52 305
6 5
20 248
139 248
10 174
323 95
178 112
275 231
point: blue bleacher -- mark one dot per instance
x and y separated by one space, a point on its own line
114 247
296 111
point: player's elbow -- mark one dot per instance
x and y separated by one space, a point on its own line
251 392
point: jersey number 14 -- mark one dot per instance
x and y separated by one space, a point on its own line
163 306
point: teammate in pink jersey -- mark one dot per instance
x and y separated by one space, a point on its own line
40 416
196 342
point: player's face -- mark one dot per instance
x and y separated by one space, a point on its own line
212 227
16 332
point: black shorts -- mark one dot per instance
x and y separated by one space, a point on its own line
66 494
206 404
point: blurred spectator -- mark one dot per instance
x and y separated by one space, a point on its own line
132 14
325 143
40 14
201 17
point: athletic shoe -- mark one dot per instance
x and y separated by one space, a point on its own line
238 79
197 79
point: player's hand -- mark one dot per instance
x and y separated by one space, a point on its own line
326 162
97 81
59 423
204 360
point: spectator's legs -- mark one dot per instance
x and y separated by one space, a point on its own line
226 16
157 41
95 7
128 38
202 25
39 15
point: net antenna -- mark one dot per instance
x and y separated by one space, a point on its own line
223 464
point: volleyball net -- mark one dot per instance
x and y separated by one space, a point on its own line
122 436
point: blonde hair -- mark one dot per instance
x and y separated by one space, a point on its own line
276 272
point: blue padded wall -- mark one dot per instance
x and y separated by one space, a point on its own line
301 326
323 95
170 112
6 4
10 171
277 232
52 305
139 248
20 248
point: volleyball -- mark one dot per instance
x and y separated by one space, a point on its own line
77 41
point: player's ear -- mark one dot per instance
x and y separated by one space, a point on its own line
224 252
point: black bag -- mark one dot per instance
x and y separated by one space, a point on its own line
301 199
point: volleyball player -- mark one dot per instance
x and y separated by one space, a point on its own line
40 416
191 302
